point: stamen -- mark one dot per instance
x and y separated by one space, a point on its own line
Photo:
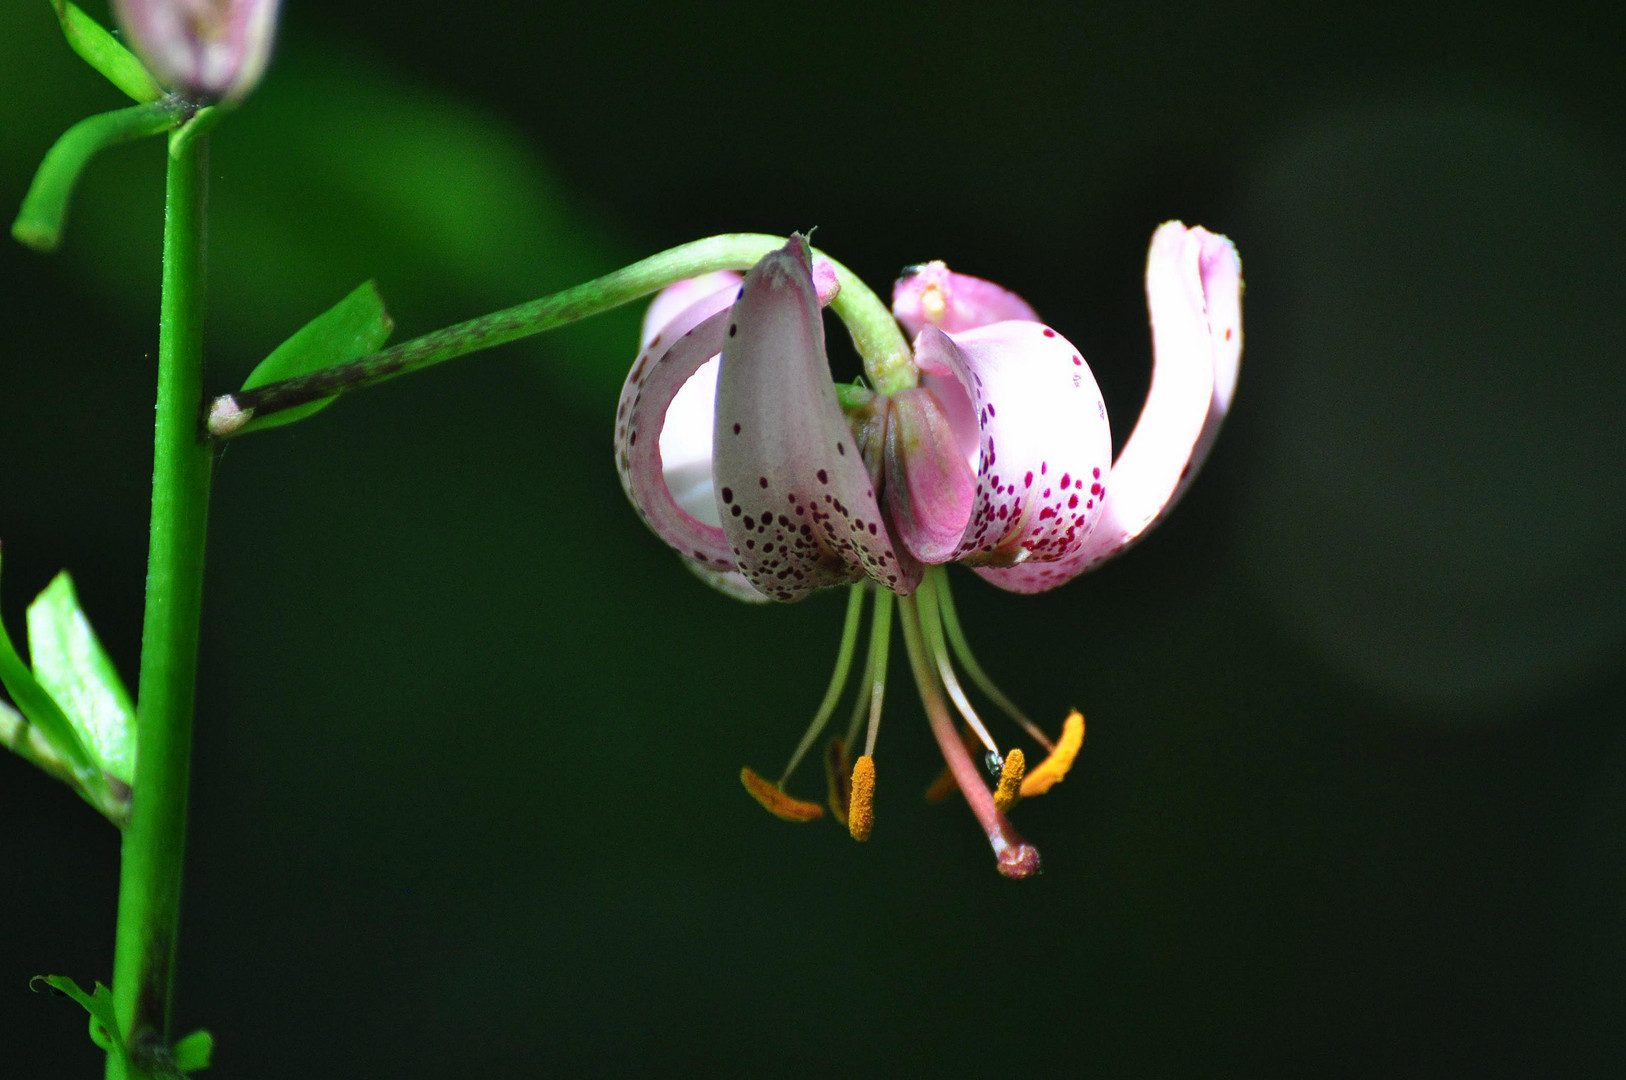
1053 769
1010 780
1016 857
837 779
862 699
880 638
838 680
931 623
861 810
938 577
776 802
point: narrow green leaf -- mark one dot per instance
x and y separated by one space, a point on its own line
193 1052
41 709
70 663
102 51
45 207
104 1026
355 326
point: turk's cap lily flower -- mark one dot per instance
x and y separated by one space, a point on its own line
211 49
1001 457
736 449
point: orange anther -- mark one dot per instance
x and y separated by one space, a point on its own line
1053 769
861 809
776 802
1010 780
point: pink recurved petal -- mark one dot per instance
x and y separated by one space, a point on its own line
797 504
1222 289
933 295
1043 437
929 486
1194 289
661 371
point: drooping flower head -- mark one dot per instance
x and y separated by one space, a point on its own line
211 49
989 446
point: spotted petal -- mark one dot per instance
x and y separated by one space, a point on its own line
1193 289
798 506
664 370
1042 435
933 295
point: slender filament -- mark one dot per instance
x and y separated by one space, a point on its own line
962 651
838 679
931 624
880 637
866 692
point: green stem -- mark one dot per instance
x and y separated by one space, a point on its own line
45 207
150 870
875 334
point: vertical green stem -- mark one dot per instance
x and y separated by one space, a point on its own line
154 842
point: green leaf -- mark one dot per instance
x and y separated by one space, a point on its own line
45 207
72 666
42 710
192 1053
102 51
355 326
51 741
104 1027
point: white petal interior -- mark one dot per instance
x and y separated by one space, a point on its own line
686 445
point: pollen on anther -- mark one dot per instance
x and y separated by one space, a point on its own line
776 802
1010 780
1053 769
861 803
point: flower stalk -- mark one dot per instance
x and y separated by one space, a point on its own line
875 334
155 841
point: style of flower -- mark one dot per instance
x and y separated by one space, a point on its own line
211 49
993 450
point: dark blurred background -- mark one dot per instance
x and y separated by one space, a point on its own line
1354 797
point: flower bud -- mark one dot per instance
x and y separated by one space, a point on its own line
212 49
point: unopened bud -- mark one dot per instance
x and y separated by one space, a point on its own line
212 49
